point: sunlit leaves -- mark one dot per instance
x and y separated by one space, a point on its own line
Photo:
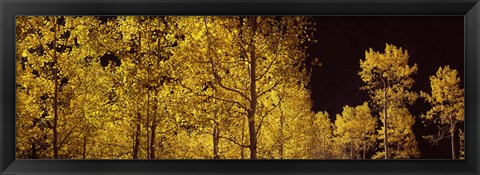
447 101
388 78
355 129
401 139
216 56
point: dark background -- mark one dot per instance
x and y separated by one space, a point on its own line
431 41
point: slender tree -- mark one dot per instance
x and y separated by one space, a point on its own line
447 101
387 78
322 137
402 142
356 129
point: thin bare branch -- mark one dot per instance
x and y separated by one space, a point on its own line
263 116
269 90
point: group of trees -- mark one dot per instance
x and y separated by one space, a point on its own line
207 88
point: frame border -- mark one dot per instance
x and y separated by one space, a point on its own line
470 9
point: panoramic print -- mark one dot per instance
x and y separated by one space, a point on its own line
240 87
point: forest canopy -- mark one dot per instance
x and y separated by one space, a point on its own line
212 87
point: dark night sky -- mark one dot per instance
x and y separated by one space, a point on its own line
431 42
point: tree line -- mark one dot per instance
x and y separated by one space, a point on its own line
205 87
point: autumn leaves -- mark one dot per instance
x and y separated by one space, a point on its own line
447 112
177 87
203 88
388 78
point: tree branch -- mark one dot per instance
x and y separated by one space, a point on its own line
240 42
263 116
212 96
68 134
270 89
234 141
39 40
215 73
269 66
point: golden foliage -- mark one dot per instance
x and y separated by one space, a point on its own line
447 101
202 87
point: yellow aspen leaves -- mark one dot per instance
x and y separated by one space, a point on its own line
447 101
208 87
387 78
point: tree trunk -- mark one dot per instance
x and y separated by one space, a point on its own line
84 155
33 153
242 152
55 95
398 148
147 122
351 151
154 128
137 137
152 140
253 136
136 147
385 126
280 146
364 149
155 108
216 139
253 93
452 138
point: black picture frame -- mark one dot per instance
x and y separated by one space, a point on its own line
470 9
